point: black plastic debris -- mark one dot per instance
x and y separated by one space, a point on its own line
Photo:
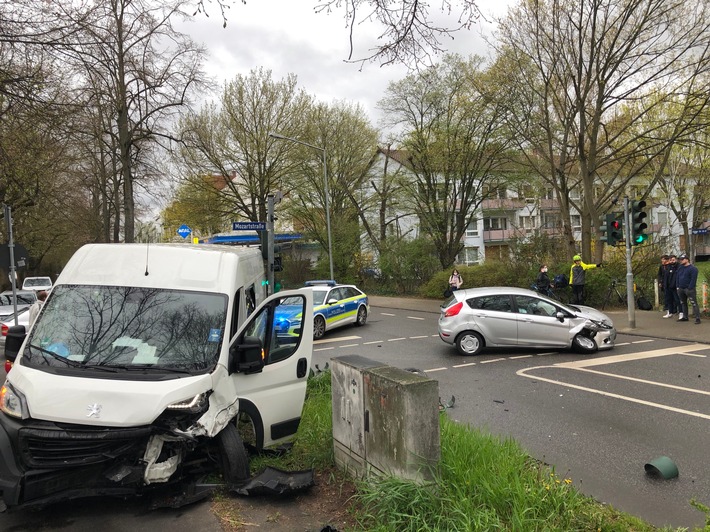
273 481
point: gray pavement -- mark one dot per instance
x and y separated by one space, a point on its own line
647 322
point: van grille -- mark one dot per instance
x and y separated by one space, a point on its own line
58 448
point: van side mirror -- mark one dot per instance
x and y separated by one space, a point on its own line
246 356
13 342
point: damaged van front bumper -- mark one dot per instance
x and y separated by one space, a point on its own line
43 462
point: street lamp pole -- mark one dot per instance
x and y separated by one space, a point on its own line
325 185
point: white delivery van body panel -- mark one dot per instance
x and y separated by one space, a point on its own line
138 366
92 401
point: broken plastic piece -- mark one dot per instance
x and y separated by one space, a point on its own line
272 481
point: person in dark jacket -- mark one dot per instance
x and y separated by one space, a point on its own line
687 277
543 280
670 292
660 277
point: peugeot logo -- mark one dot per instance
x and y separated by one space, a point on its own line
94 410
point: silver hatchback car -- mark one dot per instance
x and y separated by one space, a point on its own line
476 318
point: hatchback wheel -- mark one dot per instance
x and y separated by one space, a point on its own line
469 343
318 327
584 344
361 317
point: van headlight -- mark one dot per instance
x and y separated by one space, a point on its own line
13 403
196 405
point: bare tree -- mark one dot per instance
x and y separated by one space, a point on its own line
410 34
456 139
589 72
232 141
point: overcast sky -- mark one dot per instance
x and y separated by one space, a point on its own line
287 36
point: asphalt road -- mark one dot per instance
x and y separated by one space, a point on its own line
596 419
596 424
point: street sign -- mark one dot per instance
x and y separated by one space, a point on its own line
184 231
703 231
248 226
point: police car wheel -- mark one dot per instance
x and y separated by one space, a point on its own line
361 317
318 327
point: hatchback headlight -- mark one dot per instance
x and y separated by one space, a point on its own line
13 403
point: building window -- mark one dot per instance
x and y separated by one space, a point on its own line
472 229
492 224
471 256
576 221
527 222
662 218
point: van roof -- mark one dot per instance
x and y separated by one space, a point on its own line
200 267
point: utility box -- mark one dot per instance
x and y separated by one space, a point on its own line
385 419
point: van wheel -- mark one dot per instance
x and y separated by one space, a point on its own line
318 327
233 456
361 317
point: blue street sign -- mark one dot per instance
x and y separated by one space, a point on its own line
703 231
184 231
248 226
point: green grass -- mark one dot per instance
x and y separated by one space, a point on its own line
484 483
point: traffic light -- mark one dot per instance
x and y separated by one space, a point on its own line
612 228
638 223
278 266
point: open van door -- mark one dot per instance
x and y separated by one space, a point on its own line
269 363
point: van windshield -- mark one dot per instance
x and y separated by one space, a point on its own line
128 327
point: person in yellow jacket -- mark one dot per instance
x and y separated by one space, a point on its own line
577 275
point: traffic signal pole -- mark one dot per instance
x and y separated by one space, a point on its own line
630 303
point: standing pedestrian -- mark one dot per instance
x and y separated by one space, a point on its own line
577 279
37 306
659 278
687 277
455 280
670 285
543 280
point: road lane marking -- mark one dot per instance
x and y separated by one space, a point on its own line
644 381
679 350
623 343
521 356
435 369
387 314
324 349
415 318
693 355
583 365
348 345
373 342
464 365
643 341
494 360
395 339
418 337
330 340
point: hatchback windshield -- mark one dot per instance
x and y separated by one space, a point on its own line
128 327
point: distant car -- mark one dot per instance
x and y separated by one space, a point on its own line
25 299
476 318
23 318
37 283
334 305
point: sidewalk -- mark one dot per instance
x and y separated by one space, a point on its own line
648 322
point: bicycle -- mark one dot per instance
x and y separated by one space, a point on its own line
613 288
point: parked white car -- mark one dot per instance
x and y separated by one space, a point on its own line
37 283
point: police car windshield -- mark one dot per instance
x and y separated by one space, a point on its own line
119 326
319 297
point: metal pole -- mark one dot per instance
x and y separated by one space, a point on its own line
270 243
327 198
327 215
630 303
11 249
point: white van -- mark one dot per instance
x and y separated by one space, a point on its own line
143 367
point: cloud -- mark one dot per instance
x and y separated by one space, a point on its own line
286 36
